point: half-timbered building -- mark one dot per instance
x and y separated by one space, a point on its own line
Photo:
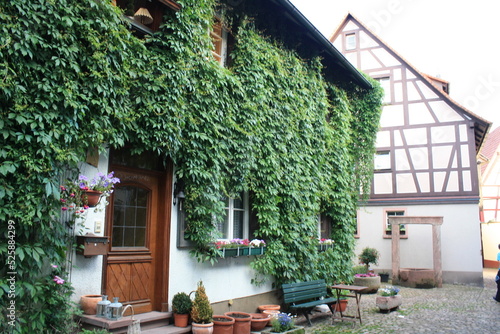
425 161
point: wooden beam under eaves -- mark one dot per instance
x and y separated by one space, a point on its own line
172 4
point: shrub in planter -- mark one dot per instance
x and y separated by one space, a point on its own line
181 305
367 256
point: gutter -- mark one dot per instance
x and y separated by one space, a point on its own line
321 39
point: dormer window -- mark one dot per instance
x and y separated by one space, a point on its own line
350 41
219 39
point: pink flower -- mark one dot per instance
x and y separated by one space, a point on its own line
58 280
64 208
53 265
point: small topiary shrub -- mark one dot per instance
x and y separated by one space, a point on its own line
201 311
181 303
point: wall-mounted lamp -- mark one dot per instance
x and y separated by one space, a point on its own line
143 16
178 191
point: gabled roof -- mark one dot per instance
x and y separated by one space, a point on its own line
490 147
481 125
329 53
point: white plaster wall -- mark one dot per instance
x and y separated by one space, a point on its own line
86 273
491 240
460 237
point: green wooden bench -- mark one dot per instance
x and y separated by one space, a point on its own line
304 296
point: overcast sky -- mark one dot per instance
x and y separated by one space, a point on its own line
458 41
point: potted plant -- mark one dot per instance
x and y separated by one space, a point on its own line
240 247
223 324
284 323
388 299
201 312
181 306
341 304
370 280
384 276
242 322
79 195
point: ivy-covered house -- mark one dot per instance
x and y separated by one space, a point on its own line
235 120
425 163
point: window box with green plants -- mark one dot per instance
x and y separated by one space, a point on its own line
240 247
325 244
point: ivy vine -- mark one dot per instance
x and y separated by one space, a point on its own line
72 77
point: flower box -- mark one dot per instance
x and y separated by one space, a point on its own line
324 247
389 302
241 251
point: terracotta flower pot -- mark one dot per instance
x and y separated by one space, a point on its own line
91 197
271 313
89 303
181 320
223 324
259 321
269 307
340 306
242 322
202 328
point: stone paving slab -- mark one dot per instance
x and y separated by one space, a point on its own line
450 309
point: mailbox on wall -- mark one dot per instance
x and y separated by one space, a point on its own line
90 245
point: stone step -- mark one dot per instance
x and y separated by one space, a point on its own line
170 329
149 320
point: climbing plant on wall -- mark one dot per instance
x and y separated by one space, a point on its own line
73 77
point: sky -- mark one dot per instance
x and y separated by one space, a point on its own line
458 41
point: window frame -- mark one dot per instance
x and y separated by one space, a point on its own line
230 210
350 41
219 32
384 167
402 229
385 83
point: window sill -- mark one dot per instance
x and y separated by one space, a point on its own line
402 235
241 251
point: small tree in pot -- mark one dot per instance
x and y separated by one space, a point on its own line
181 305
367 256
370 280
201 312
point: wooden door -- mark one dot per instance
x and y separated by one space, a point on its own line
138 244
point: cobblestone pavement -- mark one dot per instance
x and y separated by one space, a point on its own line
450 309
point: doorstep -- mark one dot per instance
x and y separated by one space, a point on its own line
148 320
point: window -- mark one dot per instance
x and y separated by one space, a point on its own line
388 227
235 224
219 39
385 83
382 160
350 41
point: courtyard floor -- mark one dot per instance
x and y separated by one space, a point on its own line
450 309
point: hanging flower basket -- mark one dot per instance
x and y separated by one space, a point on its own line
91 197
